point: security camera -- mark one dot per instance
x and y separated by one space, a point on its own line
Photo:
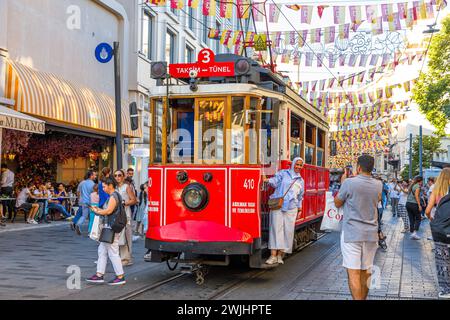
193 74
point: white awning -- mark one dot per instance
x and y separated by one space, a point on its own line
14 120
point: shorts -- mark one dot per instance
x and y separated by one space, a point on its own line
26 206
358 255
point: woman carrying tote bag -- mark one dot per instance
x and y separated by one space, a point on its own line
110 209
285 203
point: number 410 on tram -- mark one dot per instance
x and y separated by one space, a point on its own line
212 140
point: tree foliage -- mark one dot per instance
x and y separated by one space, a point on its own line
432 90
430 145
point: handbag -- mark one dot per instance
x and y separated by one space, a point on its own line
107 234
277 203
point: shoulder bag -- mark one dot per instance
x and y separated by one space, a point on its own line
277 203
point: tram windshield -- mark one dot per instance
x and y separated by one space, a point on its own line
208 130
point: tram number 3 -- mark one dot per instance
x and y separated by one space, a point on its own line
206 56
249 184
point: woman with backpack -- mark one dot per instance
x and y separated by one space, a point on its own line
413 207
111 209
439 229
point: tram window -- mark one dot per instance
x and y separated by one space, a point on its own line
309 133
320 155
296 138
210 130
158 127
269 132
237 130
309 155
180 140
320 147
252 133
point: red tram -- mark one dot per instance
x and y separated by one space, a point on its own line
212 139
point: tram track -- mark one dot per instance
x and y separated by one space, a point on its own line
227 289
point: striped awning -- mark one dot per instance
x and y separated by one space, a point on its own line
61 102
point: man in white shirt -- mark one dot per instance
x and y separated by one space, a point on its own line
22 203
6 184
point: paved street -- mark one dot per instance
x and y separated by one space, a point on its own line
35 262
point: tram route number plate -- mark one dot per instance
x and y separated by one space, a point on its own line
205 66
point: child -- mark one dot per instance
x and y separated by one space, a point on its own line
95 198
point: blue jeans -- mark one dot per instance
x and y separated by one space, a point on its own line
58 207
84 212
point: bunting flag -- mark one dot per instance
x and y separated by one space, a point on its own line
384 12
193 3
352 60
422 9
330 33
214 33
302 38
339 14
371 13
243 9
402 9
294 7
258 11
306 14
226 9
355 14
157 2
363 60
331 62
319 60
344 31
309 56
377 28
274 13
320 10
430 11
209 7
315 35
226 35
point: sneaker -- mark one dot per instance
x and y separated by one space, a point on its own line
136 238
414 236
96 279
430 238
117 281
33 221
77 230
148 256
272 260
96 261
280 260
444 295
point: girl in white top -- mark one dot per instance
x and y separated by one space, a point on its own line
129 199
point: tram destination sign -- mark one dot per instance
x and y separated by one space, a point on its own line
205 67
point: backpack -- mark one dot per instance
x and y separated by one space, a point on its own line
119 216
440 225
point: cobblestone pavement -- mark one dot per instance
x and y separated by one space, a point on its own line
407 270
34 266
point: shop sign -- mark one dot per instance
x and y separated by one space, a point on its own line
205 67
15 123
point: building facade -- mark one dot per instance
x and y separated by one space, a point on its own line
49 69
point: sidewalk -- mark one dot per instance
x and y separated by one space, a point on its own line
407 269
23 226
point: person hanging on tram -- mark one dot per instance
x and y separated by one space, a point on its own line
290 186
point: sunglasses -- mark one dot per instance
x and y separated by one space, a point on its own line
118 175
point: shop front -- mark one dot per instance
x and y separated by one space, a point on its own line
79 131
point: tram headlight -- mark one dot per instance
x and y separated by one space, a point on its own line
195 197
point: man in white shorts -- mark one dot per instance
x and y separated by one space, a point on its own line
359 238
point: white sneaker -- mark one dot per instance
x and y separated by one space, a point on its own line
136 238
430 238
272 260
444 295
404 231
280 260
414 236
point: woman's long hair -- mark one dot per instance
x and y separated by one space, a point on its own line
442 183
143 194
415 181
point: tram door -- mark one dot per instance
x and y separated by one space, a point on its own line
183 131
185 120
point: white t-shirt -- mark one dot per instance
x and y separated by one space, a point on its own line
22 197
403 198
393 192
